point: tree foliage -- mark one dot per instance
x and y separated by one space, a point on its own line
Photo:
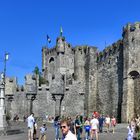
42 80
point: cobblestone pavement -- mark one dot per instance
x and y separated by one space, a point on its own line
120 134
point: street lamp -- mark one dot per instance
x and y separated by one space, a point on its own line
6 57
3 123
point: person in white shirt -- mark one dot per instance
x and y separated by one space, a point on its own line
31 122
94 127
107 122
65 128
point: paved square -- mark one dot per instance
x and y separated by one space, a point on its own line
120 134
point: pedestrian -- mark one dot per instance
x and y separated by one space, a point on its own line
43 130
113 123
94 127
138 126
78 125
130 135
81 127
107 123
35 130
24 118
56 126
87 128
30 121
133 127
66 133
101 120
72 125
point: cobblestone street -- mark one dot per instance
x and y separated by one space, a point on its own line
120 134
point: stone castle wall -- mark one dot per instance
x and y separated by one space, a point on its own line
109 77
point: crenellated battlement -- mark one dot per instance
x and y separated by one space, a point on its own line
20 89
109 51
131 28
81 49
50 51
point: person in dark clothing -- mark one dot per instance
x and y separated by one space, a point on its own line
78 127
101 120
72 125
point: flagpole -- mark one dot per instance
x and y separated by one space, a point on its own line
48 41
47 44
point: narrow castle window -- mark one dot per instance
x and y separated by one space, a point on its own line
110 51
53 77
109 61
133 61
62 53
11 80
133 38
132 28
51 59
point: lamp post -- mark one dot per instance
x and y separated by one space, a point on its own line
3 123
6 57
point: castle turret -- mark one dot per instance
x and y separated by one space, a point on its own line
60 44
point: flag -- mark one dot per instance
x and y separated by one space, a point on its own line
48 39
61 31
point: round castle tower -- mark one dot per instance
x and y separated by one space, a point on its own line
131 82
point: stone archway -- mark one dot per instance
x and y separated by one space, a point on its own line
136 90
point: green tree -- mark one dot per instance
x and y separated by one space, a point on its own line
37 73
36 70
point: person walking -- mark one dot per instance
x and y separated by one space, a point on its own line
31 122
87 128
130 135
113 123
65 129
101 120
56 126
35 130
94 127
78 125
43 130
107 123
72 125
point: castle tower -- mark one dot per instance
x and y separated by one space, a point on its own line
79 63
45 51
91 81
60 49
131 80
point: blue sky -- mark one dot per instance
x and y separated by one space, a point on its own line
24 25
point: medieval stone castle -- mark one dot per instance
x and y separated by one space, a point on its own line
82 80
